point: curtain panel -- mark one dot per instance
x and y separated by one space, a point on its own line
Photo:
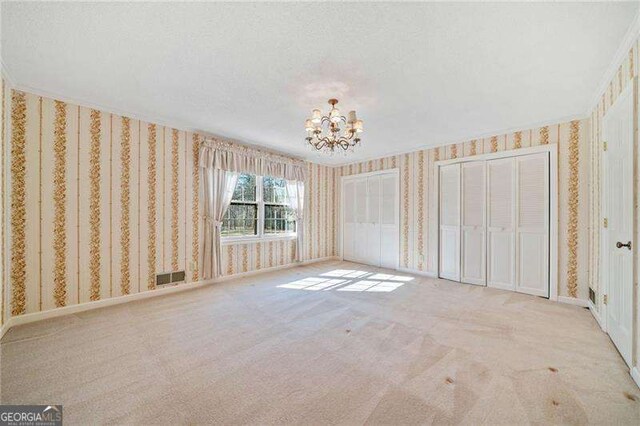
218 191
295 198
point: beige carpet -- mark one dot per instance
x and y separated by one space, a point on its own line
322 344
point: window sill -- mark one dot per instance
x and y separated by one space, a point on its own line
257 239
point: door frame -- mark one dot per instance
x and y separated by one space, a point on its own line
552 149
603 259
343 179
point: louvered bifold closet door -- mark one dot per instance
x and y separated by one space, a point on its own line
389 221
349 228
450 222
373 221
501 223
532 220
360 254
473 246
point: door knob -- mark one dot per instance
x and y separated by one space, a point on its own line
620 245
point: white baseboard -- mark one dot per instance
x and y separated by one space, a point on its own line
574 301
597 316
635 374
274 268
418 272
81 307
318 260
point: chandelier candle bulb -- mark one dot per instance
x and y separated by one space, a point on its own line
316 116
308 125
352 117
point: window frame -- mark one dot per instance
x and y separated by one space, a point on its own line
260 235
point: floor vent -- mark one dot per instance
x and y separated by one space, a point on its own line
170 277
592 295
163 279
178 277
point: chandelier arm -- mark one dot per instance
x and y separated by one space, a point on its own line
325 141
346 139
344 144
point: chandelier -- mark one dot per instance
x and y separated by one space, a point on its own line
324 132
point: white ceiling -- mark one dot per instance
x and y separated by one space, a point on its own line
419 74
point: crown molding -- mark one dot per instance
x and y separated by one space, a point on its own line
628 40
632 34
184 127
161 122
492 133
87 104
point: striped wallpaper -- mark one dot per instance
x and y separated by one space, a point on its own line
105 202
418 226
99 203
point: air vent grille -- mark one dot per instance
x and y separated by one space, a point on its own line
178 276
170 277
163 279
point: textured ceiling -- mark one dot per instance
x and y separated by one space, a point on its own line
419 74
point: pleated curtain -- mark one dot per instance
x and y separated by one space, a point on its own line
218 191
235 158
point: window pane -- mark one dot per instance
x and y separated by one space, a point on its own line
240 219
278 219
274 190
245 188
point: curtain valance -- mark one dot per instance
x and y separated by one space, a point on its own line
231 157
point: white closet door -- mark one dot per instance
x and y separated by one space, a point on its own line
361 220
501 223
532 232
373 221
349 227
389 221
450 222
473 262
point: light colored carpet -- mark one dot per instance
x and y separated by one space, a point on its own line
295 347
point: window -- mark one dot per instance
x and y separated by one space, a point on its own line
278 217
259 208
241 217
